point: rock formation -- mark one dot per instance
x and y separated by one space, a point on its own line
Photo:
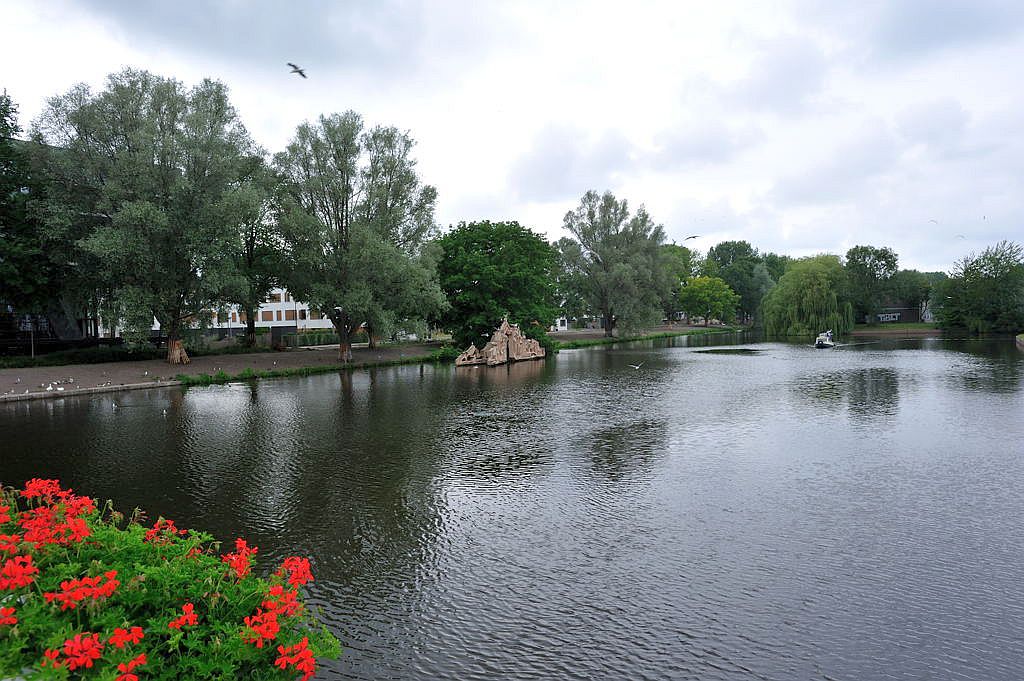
507 344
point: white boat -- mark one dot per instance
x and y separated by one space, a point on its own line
824 340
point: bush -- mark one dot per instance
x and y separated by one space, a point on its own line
88 594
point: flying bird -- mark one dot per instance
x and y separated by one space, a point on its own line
296 69
960 236
692 236
637 366
935 221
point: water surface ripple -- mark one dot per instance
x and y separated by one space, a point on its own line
781 514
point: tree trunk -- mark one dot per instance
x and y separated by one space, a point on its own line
175 349
608 323
373 340
250 327
342 324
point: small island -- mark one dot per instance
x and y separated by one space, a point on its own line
507 344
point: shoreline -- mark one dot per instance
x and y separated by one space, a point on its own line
882 331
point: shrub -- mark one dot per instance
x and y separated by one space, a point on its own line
85 593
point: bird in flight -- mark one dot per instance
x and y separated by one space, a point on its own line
692 236
296 69
935 221
637 366
960 236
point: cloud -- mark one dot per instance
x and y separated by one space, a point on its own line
906 28
784 74
565 161
701 142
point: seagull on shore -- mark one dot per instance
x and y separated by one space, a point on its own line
637 366
296 69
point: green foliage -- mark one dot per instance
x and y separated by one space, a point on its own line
869 273
152 164
353 240
680 264
105 573
984 293
708 297
590 342
492 270
614 261
809 299
735 263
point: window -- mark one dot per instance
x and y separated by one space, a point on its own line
289 315
287 297
267 316
302 314
315 314
241 317
278 315
275 298
234 317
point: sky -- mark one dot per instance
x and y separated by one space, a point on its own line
800 126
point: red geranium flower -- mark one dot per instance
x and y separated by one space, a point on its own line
187 618
50 656
7 616
284 603
239 560
17 572
297 569
73 591
163 532
82 650
124 636
9 543
5 516
126 668
298 656
262 625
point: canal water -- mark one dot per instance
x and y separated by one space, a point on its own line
742 511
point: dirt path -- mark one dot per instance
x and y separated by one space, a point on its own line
32 383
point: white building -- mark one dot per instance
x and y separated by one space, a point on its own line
281 310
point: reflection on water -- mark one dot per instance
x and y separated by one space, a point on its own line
771 511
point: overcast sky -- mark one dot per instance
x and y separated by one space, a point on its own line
801 127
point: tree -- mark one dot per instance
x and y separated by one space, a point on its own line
910 287
985 293
776 264
708 297
734 262
680 265
809 298
258 260
26 278
869 271
616 261
492 270
349 240
146 164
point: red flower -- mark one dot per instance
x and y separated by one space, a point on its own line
282 602
50 655
7 616
123 636
82 650
37 487
187 618
9 543
262 625
298 570
239 560
5 516
163 532
127 667
301 658
17 572
45 525
73 591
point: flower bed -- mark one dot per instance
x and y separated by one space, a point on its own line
87 593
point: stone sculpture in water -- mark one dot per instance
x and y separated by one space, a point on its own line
507 344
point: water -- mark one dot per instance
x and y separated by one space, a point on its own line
776 513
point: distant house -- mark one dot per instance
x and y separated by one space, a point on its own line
896 312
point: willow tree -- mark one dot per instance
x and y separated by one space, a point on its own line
809 298
616 260
146 163
350 234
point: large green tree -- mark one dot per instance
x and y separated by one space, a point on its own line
616 260
708 297
146 163
869 273
493 270
809 298
680 264
350 240
985 293
734 262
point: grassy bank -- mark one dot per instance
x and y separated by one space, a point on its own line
441 355
588 342
114 353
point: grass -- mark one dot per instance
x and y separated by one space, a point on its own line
588 342
440 356
898 326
